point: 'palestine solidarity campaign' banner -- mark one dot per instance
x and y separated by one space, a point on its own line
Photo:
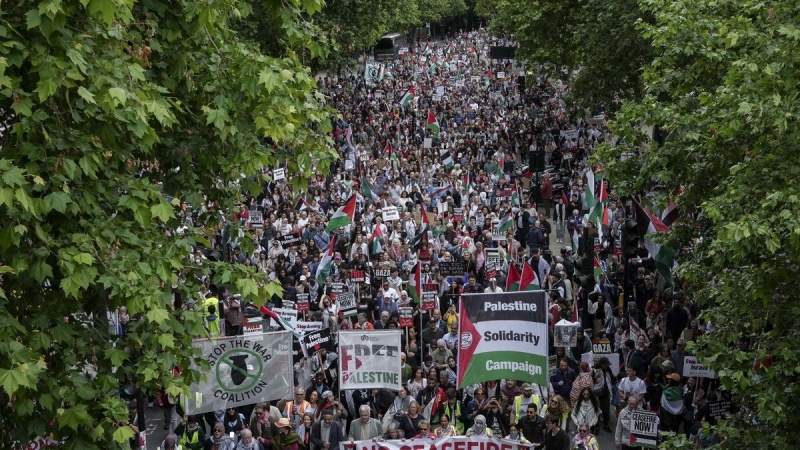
503 336
369 360
244 370
446 443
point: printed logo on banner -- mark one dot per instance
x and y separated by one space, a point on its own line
243 370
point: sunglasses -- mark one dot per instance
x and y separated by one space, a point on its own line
584 431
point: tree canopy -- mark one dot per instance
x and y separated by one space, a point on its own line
96 90
723 88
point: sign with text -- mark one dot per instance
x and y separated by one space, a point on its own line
692 368
242 370
382 273
278 174
390 213
290 315
720 409
303 302
428 301
336 289
406 317
458 214
452 268
357 276
290 240
315 341
644 429
347 303
256 218
369 360
307 327
491 269
444 443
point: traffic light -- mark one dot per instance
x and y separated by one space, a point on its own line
630 238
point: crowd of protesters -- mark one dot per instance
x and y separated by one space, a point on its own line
464 175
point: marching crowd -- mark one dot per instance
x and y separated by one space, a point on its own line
449 156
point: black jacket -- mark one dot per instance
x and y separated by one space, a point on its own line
336 436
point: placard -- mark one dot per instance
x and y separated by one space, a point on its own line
253 325
291 240
369 360
357 276
347 303
406 317
279 174
315 341
569 134
336 289
692 368
493 254
452 268
440 90
501 75
459 83
458 214
303 302
644 429
307 327
382 273
402 51
490 269
436 98
349 164
256 218
720 409
427 143
390 213
475 79
423 59
428 301
290 315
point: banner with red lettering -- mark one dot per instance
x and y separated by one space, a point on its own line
447 443
369 360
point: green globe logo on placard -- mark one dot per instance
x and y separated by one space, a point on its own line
239 370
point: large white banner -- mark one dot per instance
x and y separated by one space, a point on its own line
243 370
447 443
369 359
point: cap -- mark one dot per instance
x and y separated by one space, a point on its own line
303 278
283 423
674 376
526 386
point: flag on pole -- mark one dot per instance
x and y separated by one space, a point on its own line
432 70
369 192
662 255
591 200
324 267
598 269
277 320
415 284
343 216
529 281
302 204
506 222
407 98
512 282
448 161
433 124
423 231
436 192
375 246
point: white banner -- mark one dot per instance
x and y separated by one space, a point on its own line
243 370
447 443
693 368
369 359
390 213
371 72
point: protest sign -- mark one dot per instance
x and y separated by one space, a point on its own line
252 325
390 213
569 134
256 218
290 240
336 289
382 273
501 75
303 302
290 315
357 276
316 340
458 214
460 83
278 174
407 317
692 368
503 336
349 164
242 370
307 327
491 269
428 300
493 254
720 409
369 360
644 429
444 443
347 303
371 72
452 268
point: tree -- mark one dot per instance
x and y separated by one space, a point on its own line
597 40
723 90
95 91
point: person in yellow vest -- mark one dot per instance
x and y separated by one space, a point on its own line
213 322
193 436
296 407
521 402
455 411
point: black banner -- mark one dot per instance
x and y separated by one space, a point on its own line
314 341
290 240
452 268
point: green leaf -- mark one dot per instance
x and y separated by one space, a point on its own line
123 434
158 315
166 341
118 95
86 95
162 211
84 258
58 201
74 417
14 176
12 380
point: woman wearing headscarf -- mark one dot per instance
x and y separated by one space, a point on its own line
218 439
478 428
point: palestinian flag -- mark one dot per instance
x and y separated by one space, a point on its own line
407 98
375 246
598 270
433 124
506 222
344 215
672 399
448 161
432 70
529 281
662 255
428 50
277 320
302 204
670 215
369 192
591 201
425 226
515 198
324 267
415 284
512 282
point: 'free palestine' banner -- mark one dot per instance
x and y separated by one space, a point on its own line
503 336
369 360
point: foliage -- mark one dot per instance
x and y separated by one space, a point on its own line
724 88
597 39
95 88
